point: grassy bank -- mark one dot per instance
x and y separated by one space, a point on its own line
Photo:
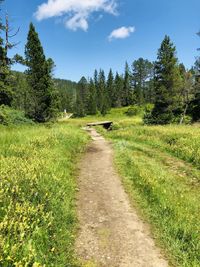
160 170
37 190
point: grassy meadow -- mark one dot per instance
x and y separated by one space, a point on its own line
159 166
37 192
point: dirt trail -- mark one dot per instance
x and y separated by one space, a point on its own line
111 233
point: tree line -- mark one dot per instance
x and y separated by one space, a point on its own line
101 93
173 91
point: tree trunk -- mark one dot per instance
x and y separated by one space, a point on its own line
183 115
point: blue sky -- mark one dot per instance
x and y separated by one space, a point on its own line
81 35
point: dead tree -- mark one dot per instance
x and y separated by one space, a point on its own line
10 33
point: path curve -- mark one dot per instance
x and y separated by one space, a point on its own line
111 233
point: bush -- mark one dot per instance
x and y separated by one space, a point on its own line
162 119
9 116
148 108
133 111
116 126
187 120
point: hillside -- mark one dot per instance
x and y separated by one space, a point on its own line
66 91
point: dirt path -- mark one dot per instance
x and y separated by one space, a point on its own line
111 233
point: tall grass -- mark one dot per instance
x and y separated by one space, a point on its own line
160 169
37 190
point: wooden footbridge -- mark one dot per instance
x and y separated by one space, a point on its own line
106 124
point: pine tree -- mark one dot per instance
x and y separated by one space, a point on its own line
79 107
99 82
42 105
167 84
96 79
141 71
117 92
100 90
82 98
127 90
110 87
91 104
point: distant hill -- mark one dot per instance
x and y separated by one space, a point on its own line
66 90
67 85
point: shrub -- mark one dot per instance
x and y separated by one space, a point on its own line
116 126
9 116
187 119
162 119
133 111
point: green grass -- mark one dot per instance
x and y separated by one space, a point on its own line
116 115
37 191
159 166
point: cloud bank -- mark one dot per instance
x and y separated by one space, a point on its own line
121 33
76 12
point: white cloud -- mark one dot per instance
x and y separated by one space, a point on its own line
77 11
121 33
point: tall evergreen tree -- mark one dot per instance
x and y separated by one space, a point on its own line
92 104
41 91
82 97
100 90
110 87
118 90
167 84
141 71
96 79
127 90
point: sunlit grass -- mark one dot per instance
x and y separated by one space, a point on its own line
159 166
37 191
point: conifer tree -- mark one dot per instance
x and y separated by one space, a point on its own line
127 91
41 89
79 107
117 92
81 98
167 84
110 88
96 79
100 90
92 105
141 71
